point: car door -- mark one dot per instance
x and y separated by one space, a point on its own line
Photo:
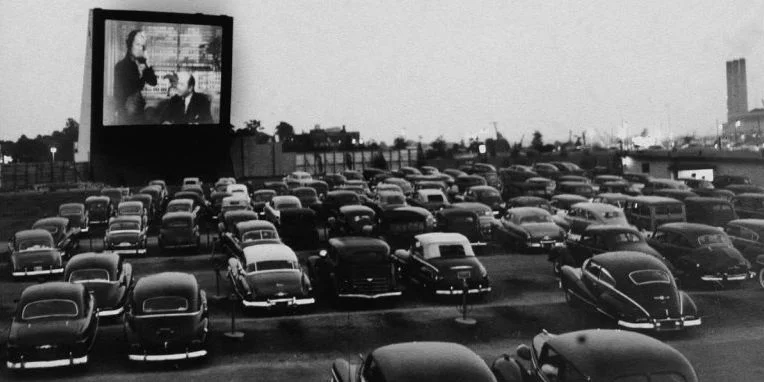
420 271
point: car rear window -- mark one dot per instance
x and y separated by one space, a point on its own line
165 304
70 211
452 251
128 226
535 219
406 227
259 235
714 238
393 199
51 308
271 265
94 274
612 215
649 276
177 224
34 244
97 206
435 198
131 210
50 228
627 237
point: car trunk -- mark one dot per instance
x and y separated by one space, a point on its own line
165 333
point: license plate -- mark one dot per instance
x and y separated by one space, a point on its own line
463 274
124 244
38 267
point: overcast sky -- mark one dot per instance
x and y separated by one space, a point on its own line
426 67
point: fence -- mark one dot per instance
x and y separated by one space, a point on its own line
336 161
17 176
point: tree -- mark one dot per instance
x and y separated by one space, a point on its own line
285 132
399 143
438 149
538 141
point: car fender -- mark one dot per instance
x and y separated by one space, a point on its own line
570 278
342 370
508 369
688 304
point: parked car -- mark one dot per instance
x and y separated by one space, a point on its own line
648 212
353 221
34 254
404 184
281 188
738 189
308 196
167 319
636 180
582 215
654 184
405 171
105 275
297 179
399 226
352 175
198 199
444 264
334 180
270 276
597 239
231 218
568 168
722 181
575 188
607 178
595 355
464 182
674 193
485 218
431 200
216 203
488 172
126 235
429 170
454 173
115 194
621 186
547 170
747 235
162 186
700 252
390 200
99 209
64 235
715 193
415 361
575 178
529 228
487 195
254 232
55 325
356 268
539 186
179 230
182 205
697 184
239 190
430 185
711 211
319 186
191 181
76 214
335 200
463 221
133 208
299 228
632 288
563 202
278 204
260 199
614 199
148 204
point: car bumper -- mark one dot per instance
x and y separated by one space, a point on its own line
545 244
279 302
736 277
662 325
42 272
128 251
111 312
47 364
370 296
452 291
167 357
181 245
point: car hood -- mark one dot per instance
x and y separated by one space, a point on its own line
718 258
30 259
539 230
46 332
276 284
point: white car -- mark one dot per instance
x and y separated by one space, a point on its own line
238 190
298 179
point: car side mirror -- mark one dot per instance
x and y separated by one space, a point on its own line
523 352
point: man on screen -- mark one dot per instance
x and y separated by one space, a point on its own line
130 75
187 106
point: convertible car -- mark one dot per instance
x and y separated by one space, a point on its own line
355 267
595 355
33 253
633 288
77 215
529 228
55 325
126 234
700 252
270 276
443 263
415 361
106 276
167 318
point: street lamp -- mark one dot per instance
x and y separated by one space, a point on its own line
53 154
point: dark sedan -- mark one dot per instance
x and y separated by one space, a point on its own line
99 209
106 276
55 325
700 252
595 355
76 214
529 228
633 288
167 319
34 254
487 195
415 361
179 230
444 264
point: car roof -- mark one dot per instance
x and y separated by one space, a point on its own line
78 205
97 198
750 195
265 191
607 354
528 199
610 228
705 200
32 234
430 191
359 242
166 283
252 225
55 220
304 189
442 237
569 197
104 260
180 201
483 188
621 263
697 228
53 289
574 183
469 176
185 215
612 196
355 209
285 199
472 206
240 213
269 252
431 361
597 207
652 199
525 211
412 209
130 203
340 193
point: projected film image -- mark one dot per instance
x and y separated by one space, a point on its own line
161 73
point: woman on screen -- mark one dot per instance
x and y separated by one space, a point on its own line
130 75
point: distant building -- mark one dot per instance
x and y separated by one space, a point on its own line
332 138
742 124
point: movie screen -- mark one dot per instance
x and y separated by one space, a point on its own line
161 73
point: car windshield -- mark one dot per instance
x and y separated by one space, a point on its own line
271 265
668 209
535 219
88 275
165 304
263 197
649 276
402 227
51 308
34 244
50 228
70 211
259 235
713 238
627 237
97 206
393 199
131 210
435 198
125 226
179 207
452 251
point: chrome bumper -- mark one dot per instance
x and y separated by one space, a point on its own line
453 291
737 277
47 364
370 296
128 251
38 273
287 302
661 325
167 357
111 312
